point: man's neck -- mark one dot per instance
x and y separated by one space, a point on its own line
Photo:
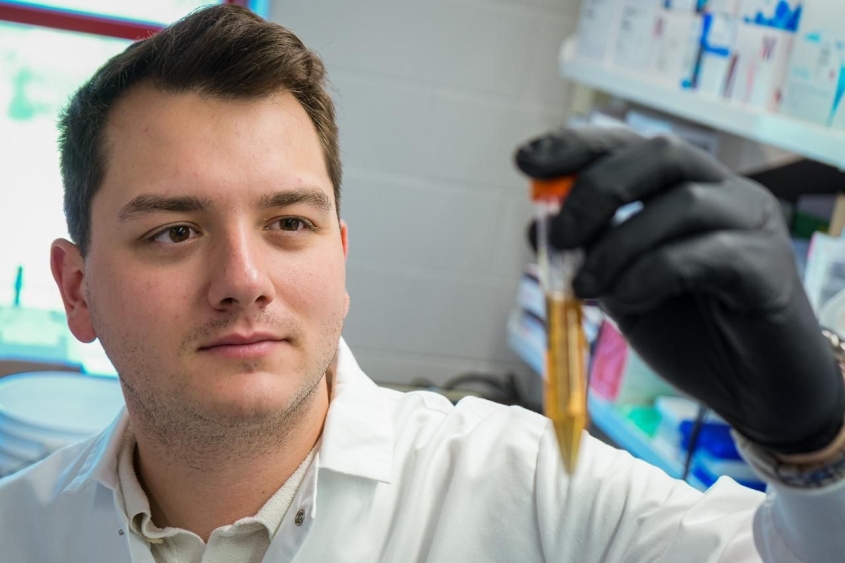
202 500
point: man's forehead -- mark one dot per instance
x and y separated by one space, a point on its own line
173 145
153 111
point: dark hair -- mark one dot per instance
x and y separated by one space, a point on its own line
224 51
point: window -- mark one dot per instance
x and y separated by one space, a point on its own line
47 50
39 70
160 12
40 67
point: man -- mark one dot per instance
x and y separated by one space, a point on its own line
202 193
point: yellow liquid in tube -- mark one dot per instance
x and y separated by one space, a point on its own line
566 393
566 356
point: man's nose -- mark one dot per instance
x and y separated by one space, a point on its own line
239 276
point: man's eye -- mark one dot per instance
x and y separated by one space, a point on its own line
292 224
175 234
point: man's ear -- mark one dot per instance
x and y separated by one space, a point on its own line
68 269
344 239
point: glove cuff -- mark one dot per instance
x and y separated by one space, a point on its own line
825 435
776 471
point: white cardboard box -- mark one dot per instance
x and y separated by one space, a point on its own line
681 5
729 7
823 15
598 24
816 73
635 39
676 47
814 80
759 65
718 44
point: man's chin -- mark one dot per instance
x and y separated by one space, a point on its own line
255 397
241 411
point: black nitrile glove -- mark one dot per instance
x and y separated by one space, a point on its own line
702 282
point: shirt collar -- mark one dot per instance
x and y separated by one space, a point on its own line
357 436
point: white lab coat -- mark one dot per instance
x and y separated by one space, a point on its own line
404 478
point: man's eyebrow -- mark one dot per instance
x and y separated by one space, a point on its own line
309 196
146 204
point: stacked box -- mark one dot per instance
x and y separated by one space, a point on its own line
758 68
815 79
598 25
677 40
763 46
635 40
729 7
681 5
718 41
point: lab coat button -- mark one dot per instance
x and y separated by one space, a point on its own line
300 516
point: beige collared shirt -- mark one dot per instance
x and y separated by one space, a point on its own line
245 541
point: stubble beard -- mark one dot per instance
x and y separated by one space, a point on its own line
194 437
202 443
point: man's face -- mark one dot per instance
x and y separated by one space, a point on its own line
215 278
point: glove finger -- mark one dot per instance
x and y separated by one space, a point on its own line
690 209
568 151
634 173
743 269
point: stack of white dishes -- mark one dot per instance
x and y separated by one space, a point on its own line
41 412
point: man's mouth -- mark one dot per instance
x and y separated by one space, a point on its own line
244 346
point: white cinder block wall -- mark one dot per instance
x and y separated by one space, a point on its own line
432 99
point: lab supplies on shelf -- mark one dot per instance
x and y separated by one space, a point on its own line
598 25
676 46
824 280
730 7
777 56
633 48
815 81
778 14
718 40
820 143
760 57
715 453
619 375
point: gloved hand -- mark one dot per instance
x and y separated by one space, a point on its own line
702 282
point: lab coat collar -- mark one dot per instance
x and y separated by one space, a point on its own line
357 436
358 433
99 459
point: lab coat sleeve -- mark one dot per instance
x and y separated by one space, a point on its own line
809 523
617 508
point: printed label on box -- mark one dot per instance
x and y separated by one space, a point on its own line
636 37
